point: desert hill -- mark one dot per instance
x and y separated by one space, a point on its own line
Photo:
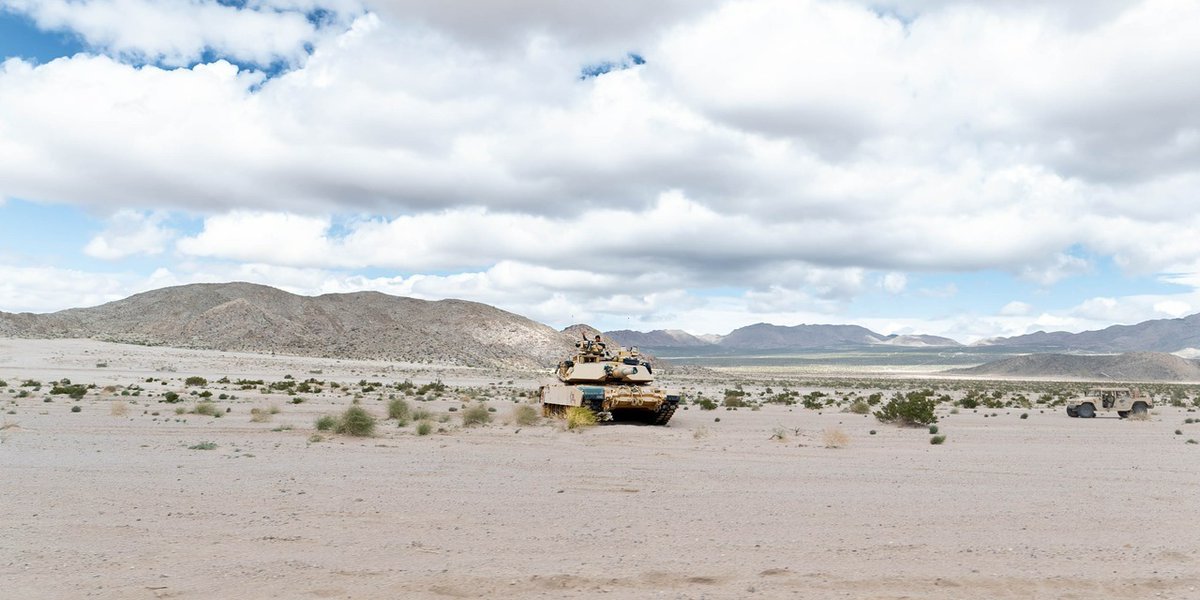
659 338
1133 366
258 318
1158 335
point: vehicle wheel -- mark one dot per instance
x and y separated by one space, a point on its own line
1122 413
1139 408
1071 412
1086 411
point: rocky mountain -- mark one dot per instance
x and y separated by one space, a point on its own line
1133 366
1160 335
659 338
764 336
258 318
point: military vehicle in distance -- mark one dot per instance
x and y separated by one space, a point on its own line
1123 401
615 386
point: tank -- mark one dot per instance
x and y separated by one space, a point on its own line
617 386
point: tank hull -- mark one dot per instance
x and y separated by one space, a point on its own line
629 403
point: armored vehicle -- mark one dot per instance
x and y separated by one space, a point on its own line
617 386
1123 401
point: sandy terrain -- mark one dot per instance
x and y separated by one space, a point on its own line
95 505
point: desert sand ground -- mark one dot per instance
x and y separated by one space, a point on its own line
97 505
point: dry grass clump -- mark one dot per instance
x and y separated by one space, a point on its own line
1133 416
579 417
524 414
835 438
207 409
356 421
860 407
476 414
118 408
701 432
260 415
398 409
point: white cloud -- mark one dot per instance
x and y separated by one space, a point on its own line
894 283
1016 308
128 233
176 33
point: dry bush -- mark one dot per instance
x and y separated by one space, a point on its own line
524 414
1139 416
260 415
476 414
701 432
579 417
118 408
835 438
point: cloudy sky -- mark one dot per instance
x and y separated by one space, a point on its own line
960 168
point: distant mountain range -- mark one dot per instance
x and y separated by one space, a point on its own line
1162 335
258 318
765 337
1129 367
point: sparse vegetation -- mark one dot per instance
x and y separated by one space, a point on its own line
476 414
937 440
208 409
398 409
76 409
326 423
835 438
579 417
170 397
196 381
424 428
118 408
204 446
356 421
525 415
860 407
912 409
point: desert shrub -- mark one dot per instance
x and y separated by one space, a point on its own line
476 414
204 446
933 429
356 421
1192 441
196 381
872 432
3 383
835 438
524 414
422 414
75 391
860 407
937 440
579 417
76 409
436 386
206 408
260 415
1024 415
706 404
326 422
424 428
398 409
118 408
914 409
1178 432
170 397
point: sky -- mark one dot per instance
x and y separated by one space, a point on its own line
950 167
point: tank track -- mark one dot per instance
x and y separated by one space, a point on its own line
664 413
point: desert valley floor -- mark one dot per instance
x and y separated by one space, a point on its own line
125 498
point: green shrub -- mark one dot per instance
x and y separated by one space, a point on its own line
356 421
860 407
3 383
476 414
170 397
326 422
75 391
937 440
204 446
914 409
1024 415
398 409
706 404
424 428
76 409
933 429
196 381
